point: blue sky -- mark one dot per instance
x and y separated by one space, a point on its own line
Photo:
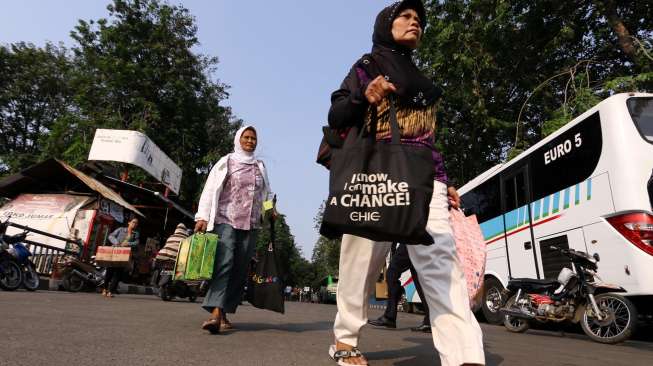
282 60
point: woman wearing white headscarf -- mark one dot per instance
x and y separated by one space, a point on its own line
231 206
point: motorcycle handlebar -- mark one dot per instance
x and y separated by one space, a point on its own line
13 239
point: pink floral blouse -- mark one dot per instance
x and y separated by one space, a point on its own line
241 200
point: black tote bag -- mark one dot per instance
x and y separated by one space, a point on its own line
265 285
379 190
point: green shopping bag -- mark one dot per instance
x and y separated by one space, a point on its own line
195 257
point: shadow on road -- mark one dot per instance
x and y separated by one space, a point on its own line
287 327
421 354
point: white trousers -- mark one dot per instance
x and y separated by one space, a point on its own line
456 334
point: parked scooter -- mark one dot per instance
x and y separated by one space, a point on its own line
11 275
575 296
31 278
78 275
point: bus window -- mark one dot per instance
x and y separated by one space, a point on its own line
483 201
516 194
568 159
641 110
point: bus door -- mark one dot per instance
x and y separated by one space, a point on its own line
515 193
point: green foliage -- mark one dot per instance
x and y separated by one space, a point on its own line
137 71
326 252
533 65
33 96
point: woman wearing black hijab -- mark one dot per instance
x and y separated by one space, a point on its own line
389 71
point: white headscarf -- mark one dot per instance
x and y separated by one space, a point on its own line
239 154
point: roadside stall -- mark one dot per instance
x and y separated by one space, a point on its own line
69 212
72 211
65 211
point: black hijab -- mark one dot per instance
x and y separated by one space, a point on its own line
394 61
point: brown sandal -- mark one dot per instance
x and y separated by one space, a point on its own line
226 325
212 325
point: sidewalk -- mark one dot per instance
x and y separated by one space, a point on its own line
48 284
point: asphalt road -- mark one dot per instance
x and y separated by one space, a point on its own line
58 328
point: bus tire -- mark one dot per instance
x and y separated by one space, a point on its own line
492 300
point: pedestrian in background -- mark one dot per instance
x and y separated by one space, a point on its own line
400 263
231 206
121 237
389 70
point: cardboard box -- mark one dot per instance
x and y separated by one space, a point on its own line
107 256
381 290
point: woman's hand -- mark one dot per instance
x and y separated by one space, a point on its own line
200 226
378 89
454 198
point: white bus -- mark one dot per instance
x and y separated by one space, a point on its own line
583 187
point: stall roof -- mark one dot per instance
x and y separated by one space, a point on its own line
54 175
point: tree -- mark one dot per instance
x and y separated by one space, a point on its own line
326 252
513 71
34 93
137 71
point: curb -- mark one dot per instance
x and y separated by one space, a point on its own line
137 289
50 284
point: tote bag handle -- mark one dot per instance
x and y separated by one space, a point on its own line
356 134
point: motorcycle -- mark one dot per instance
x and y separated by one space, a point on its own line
576 296
31 278
11 275
77 275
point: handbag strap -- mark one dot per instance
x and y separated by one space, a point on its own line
273 234
394 123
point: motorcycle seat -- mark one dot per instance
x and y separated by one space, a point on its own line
533 281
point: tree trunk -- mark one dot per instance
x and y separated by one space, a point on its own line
609 9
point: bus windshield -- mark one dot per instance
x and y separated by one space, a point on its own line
641 110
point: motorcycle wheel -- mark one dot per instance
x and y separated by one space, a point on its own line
406 307
492 300
620 321
11 276
514 324
31 279
192 297
72 282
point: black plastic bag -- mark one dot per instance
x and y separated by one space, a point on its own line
265 283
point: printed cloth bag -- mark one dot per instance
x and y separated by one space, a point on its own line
265 286
379 190
196 257
470 246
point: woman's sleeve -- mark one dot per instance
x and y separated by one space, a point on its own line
113 237
440 171
206 199
268 195
348 104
